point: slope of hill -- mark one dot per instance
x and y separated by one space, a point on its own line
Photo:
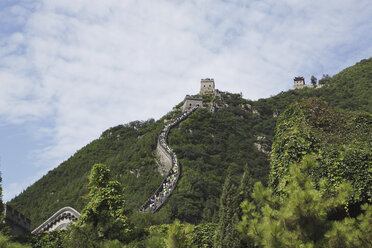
209 146
125 148
351 89
340 140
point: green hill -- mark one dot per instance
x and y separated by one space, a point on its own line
340 140
208 145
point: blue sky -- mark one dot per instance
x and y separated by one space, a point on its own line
71 69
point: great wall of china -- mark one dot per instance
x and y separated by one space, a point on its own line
166 156
169 159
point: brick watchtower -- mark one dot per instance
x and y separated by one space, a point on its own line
207 86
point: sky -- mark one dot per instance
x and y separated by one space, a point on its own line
70 69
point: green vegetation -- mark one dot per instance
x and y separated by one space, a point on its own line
300 216
104 217
313 81
178 235
6 243
320 175
126 149
340 140
1 207
207 144
227 235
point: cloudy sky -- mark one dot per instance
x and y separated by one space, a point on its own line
70 69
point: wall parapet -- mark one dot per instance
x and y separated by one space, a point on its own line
164 157
168 184
59 220
18 223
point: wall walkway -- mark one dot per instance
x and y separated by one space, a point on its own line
169 159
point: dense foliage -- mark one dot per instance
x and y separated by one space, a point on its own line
126 149
299 217
1 208
104 216
6 243
178 235
207 144
340 140
227 235
210 145
105 209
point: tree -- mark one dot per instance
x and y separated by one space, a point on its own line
105 199
313 81
246 185
178 235
5 242
352 232
227 234
299 216
104 216
3 227
325 79
245 191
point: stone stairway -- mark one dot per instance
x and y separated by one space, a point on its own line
157 199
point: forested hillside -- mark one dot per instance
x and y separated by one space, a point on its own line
339 140
209 146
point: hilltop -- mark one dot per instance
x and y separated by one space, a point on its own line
209 146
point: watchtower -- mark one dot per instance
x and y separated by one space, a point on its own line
299 83
191 102
207 86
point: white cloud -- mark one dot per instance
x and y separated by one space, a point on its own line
89 65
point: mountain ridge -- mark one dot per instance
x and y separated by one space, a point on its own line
209 146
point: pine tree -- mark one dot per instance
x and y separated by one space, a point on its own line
178 235
299 216
227 234
352 232
246 185
245 191
313 80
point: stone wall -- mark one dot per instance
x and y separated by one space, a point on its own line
165 153
164 157
18 223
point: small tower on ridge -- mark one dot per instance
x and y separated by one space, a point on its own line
299 83
207 86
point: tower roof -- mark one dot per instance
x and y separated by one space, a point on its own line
299 79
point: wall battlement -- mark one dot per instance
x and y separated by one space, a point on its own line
18 223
